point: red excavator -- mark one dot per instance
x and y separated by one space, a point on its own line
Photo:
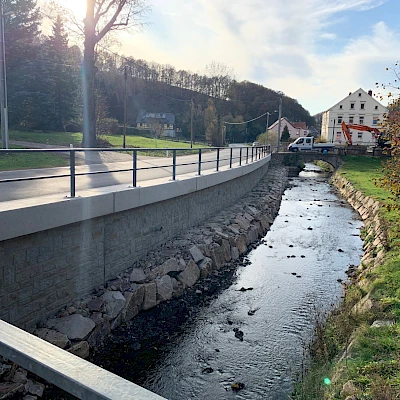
381 141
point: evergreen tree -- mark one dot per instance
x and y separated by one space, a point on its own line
285 134
65 77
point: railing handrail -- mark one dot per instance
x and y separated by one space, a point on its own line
257 152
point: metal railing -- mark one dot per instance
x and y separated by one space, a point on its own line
246 155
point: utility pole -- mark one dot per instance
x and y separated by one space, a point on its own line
3 94
266 129
279 124
125 95
191 123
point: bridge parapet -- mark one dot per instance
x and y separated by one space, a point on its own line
294 159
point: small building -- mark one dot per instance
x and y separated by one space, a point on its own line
359 108
166 121
296 129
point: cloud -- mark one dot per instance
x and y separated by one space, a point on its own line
270 42
328 36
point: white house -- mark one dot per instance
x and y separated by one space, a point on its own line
296 129
359 108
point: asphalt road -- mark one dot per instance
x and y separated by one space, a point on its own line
148 169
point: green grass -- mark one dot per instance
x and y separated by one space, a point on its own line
374 365
67 138
362 171
16 161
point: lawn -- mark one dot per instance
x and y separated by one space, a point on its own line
67 138
16 161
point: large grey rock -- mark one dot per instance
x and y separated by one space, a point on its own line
196 254
150 296
114 302
241 243
80 349
96 304
234 253
226 247
217 255
96 338
252 234
205 267
235 228
190 275
164 288
242 222
382 323
137 275
134 301
171 265
57 338
75 326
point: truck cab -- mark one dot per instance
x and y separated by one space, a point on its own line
302 143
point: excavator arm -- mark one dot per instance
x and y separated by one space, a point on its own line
346 132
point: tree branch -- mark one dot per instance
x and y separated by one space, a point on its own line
111 22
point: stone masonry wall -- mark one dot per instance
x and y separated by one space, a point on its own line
42 272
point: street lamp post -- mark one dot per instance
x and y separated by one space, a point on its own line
3 94
267 127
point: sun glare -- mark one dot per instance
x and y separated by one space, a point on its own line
78 7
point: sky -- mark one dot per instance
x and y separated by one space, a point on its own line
316 51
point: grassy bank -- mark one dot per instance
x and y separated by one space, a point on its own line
17 161
67 138
350 356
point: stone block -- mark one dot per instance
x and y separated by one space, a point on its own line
226 247
241 243
57 338
75 326
190 275
80 349
217 255
234 253
164 288
150 296
205 267
196 254
137 275
114 302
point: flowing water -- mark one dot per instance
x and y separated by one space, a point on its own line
294 279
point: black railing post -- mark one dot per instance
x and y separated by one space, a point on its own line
174 165
230 158
199 166
240 157
252 154
247 155
72 171
217 159
134 172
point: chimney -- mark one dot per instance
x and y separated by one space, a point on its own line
370 92
349 93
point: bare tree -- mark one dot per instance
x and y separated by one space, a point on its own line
102 17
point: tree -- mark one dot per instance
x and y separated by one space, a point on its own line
391 128
102 17
285 134
211 123
156 127
65 77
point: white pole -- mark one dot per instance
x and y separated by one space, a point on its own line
279 124
3 94
266 129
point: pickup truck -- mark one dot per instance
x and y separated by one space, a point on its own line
307 143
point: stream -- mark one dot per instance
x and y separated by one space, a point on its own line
259 336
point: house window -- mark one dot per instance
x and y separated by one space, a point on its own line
352 106
362 106
376 107
351 119
340 106
361 119
339 119
165 126
338 135
375 120
359 135
359 94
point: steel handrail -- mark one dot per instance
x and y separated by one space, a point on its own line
257 152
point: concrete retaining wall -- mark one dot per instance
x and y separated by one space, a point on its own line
70 248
